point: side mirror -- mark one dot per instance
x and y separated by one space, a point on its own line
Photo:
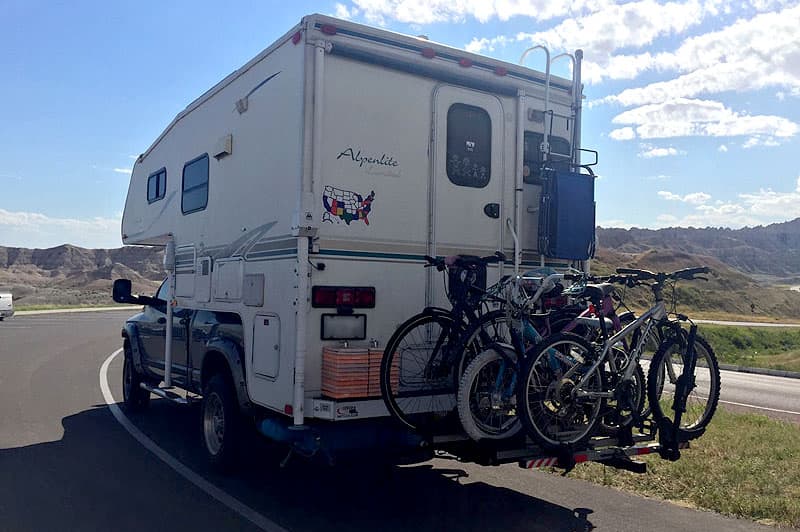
122 292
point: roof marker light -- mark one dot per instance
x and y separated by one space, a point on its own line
428 53
328 29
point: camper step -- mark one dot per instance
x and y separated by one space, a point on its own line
166 393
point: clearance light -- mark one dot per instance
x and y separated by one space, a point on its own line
343 297
428 53
464 62
328 29
296 37
501 71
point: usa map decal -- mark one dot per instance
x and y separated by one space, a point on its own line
346 205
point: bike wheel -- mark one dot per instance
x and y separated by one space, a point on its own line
418 370
665 369
550 409
486 400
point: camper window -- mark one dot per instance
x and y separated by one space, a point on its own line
559 148
156 185
195 185
469 145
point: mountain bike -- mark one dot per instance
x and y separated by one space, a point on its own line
426 355
487 392
564 391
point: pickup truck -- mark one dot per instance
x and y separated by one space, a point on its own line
206 360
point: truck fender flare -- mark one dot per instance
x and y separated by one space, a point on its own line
233 356
131 333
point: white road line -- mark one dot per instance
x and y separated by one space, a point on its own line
760 407
231 502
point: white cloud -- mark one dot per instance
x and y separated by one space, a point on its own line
126 171
430 11
30 229
649 152
615 26
622 224
722 148
624 133
694 198
760 140
756 208
342 11
745 56
683 118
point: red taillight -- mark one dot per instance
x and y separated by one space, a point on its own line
428 53
288 410
328 29
343 296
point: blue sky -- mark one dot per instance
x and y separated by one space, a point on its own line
693 105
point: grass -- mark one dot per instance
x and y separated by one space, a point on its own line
761 347
745 465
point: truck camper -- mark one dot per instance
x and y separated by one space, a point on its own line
296 201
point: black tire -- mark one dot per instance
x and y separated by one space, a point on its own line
134 397
485 412
418 375
545 397
222 423
702 400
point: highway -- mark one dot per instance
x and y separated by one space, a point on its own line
67 463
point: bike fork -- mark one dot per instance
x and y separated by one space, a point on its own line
686 382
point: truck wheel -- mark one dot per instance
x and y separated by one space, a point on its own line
222 422
134 397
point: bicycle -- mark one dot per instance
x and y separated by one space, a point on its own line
487 394
564 391
426 354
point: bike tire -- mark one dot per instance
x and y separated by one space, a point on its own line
666 366
485 413
412 396
545 398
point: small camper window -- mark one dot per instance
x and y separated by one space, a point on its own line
559 153
195 185
156 185
469 145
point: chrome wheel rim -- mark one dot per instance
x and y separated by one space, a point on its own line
214 423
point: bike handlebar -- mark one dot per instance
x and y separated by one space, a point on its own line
636 275
463 260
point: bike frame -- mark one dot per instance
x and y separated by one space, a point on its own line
648 320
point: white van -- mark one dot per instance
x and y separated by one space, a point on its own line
6 305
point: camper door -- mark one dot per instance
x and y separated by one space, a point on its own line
467 178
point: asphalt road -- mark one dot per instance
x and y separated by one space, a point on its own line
66 463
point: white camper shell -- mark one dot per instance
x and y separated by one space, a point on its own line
339 157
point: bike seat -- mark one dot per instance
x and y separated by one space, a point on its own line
597 292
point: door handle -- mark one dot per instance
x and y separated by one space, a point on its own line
492 210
